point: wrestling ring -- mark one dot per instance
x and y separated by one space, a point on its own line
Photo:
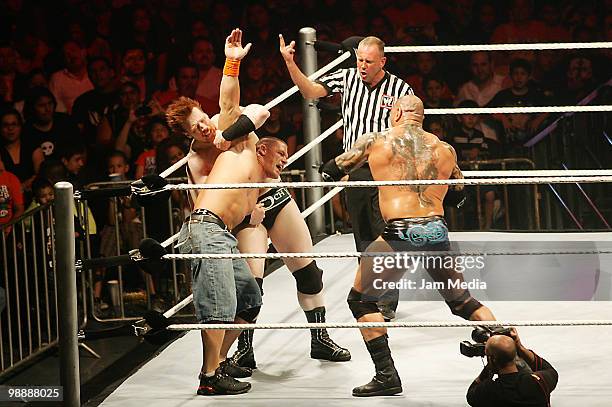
556 310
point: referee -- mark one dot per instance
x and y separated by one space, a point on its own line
368 94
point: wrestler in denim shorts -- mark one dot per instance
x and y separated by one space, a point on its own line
221 287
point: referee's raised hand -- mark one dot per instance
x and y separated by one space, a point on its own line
287 51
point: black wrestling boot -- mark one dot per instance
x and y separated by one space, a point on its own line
387 381
244 356
221 384
321 345
231 368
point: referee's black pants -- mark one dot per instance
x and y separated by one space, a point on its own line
367 222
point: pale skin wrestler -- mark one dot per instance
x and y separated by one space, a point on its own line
404 152
239 164
284 225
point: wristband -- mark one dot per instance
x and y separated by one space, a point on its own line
330 171
240 128
231 67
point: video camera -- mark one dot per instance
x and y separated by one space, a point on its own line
480 335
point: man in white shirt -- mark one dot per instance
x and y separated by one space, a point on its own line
72 81
484 84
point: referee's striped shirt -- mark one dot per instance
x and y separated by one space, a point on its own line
364 109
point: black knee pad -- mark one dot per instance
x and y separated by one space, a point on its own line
358 306
309 279
464 306
249 315
259 281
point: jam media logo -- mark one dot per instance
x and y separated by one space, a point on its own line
387 101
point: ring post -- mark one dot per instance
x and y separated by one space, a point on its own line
312 128
67 302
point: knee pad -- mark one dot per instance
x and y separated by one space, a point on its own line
464 306
358 306
309 279
249 315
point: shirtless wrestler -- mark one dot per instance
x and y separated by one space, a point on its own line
404 152
224 290
288 232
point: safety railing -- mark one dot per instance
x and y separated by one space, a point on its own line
28 317
528 200
130 292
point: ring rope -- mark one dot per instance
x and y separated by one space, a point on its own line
367 184
294 157
398 324
520 109
499 47
347 255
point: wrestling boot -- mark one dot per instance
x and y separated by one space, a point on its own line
244 356
387 381
321 345
232 369
221 384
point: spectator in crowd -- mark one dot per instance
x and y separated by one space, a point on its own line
100 46
124 127
551 17
484 83
469 142
8 72
44 126
485 22
437 94
521 27
412 16
72 81
520 126
209 76
34 78
579 80
157 131
425 64
11 198
436 125
43 193
186 80
143 32
472 145
381 27
135 69
74 157
125 216
91 107
256 83
20 157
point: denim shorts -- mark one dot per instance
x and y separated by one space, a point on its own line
221 287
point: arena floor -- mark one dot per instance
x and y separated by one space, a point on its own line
433 371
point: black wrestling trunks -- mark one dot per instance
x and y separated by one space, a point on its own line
273 202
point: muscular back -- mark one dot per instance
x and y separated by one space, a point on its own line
407 152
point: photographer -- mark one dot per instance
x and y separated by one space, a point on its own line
512 387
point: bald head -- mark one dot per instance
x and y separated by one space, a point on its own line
407 108
502 349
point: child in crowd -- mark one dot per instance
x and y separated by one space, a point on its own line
157 131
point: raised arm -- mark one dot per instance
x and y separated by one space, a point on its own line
308 88
229 92
354 158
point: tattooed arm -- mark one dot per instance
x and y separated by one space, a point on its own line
456 174
455 196
346 162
